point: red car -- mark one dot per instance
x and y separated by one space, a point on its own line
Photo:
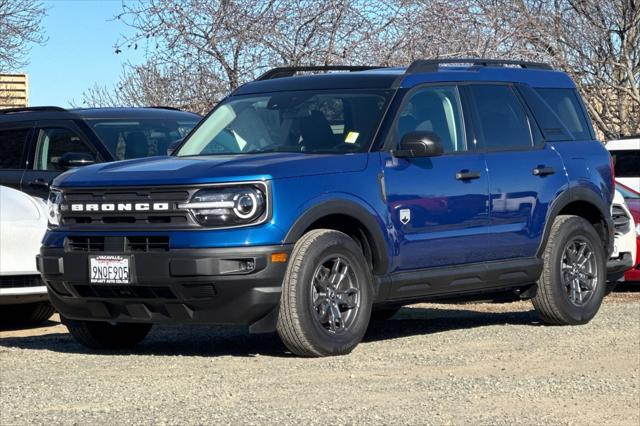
632 198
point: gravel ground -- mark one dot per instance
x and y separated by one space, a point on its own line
431 364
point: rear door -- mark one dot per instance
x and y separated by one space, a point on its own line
52 140
14 141
525 173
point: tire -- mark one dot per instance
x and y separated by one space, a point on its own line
555 301
383 314
308 323
104 335
31 313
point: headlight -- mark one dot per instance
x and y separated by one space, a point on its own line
228 206
53 208
638 229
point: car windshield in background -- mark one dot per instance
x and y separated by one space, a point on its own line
627 193
319 121
138 138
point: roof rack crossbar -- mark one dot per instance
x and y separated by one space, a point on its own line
31 109
291 71
433 65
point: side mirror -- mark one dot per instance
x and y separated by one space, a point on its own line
419 144
70 160
173 146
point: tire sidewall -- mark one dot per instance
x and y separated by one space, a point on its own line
328 245
572 229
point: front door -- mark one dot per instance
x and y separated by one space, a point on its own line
438 206
51 143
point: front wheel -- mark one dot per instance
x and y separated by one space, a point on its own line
104 335
326 295
31 313
573 280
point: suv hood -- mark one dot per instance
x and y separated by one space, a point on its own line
210 169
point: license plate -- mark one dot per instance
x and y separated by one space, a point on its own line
109 270
615 253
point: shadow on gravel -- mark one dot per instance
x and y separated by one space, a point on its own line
214 341
420 321
13 326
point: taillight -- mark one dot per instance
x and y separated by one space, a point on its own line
613 172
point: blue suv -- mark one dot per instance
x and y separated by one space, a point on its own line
310 204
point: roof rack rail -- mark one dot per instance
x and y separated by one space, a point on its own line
433 65
31 109
291 71
164 107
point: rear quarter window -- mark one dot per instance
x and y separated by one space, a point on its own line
566 105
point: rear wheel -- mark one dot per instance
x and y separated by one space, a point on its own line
326 295
573 280
104 335
32 313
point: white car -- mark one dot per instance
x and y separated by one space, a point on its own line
626 159
23 222
624 248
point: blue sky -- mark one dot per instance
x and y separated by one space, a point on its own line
79 52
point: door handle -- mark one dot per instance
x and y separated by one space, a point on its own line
467 175
543 171
39 183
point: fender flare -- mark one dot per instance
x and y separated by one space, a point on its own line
572 195
368 219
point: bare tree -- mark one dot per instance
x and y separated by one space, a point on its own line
199 50
596 41
20 25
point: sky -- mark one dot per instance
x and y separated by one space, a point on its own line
79 51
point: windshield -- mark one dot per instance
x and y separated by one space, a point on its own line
137 138
627 193
305 121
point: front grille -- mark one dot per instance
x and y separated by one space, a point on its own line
124 292
147 244
124 214
20 281
117 244
621 222
85 243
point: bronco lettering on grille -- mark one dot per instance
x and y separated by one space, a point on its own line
120 207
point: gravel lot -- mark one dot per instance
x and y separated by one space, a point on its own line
431 364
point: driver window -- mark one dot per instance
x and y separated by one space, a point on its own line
437 110
55 142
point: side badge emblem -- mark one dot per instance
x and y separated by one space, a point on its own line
405 216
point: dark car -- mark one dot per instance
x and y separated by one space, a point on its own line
307 204
39 143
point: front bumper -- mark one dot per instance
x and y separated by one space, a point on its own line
177 285
616 267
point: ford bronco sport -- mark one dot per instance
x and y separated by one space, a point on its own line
309 204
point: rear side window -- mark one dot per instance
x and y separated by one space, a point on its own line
626 162
566 105
550 124
11 147
503 123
